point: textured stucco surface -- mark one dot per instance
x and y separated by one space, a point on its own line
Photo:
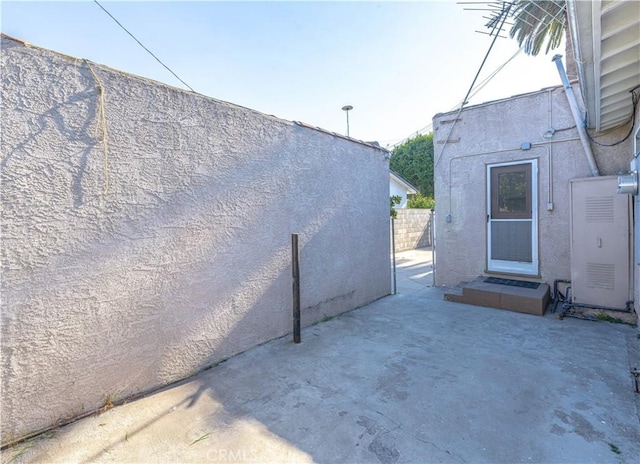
493 133
127 272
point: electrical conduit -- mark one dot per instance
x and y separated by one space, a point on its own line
573 104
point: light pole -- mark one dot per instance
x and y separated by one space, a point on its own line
346 109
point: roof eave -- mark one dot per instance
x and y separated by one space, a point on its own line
411 189
606 39
581 20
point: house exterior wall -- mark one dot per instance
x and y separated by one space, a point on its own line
129 269
493 133
396 189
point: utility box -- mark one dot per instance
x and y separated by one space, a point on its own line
601 269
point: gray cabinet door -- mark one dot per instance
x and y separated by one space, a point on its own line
600 243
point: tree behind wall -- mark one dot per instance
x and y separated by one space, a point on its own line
413 160
421 202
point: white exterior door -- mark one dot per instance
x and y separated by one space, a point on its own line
512 217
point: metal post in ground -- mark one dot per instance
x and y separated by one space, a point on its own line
432 226
295 270
393 253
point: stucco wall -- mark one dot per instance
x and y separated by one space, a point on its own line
125 272
412 229
493 133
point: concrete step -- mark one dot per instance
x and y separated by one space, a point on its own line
522 300
454 294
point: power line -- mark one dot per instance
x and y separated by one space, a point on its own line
140 43
497 23
478 88
482 84
504 15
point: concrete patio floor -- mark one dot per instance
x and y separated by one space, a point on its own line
414 271
409 378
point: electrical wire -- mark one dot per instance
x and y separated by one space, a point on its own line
140 43
484 83
505 14
475 91
635 97
480 86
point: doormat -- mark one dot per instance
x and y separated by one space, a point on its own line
511 282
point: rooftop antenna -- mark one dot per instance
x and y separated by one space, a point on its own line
496 14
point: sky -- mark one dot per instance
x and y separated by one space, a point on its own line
397 63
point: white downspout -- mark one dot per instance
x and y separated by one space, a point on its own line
573 104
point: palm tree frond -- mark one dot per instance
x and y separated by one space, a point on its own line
535 22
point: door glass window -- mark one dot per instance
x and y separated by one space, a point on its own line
511 192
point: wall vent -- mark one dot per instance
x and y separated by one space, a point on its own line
601 276
599 209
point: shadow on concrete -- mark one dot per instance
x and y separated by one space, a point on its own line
409 378
414 270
